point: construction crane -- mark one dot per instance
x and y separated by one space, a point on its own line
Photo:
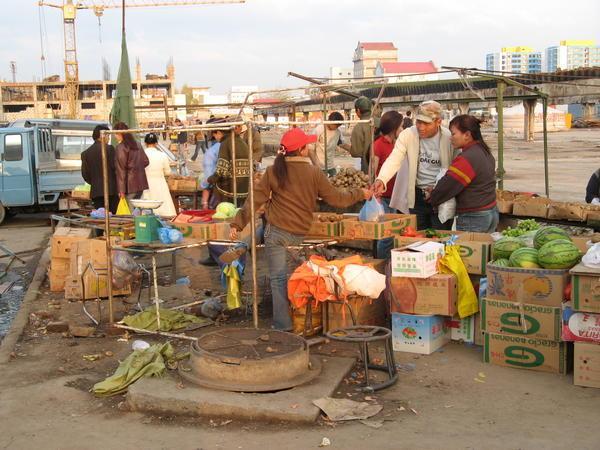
69 9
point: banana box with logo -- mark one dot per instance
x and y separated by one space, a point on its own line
543 287
475 250
389 226
525 352
421 334
499 316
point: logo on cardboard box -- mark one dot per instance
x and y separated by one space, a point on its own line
409 333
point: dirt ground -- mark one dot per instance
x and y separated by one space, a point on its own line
449 399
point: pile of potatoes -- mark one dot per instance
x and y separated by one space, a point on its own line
329 217
350 178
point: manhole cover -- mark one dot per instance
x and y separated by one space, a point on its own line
250 360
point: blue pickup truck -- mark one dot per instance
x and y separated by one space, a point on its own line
32 177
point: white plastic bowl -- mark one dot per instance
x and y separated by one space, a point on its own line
146 204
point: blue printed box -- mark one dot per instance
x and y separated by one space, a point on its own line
419 334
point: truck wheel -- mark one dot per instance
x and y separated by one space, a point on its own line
2 213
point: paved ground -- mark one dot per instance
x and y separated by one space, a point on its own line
44 398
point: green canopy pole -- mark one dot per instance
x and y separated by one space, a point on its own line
545 119
500 112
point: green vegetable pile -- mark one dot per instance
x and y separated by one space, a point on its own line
523 227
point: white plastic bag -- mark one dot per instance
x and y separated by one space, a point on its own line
592 257
446 210
363 280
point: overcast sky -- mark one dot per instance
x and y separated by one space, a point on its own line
258 42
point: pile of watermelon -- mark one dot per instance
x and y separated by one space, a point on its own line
552 249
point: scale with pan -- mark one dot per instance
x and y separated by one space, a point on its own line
148 223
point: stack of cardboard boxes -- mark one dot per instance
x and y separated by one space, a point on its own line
475 252
422 300
521 319
582 326
72 251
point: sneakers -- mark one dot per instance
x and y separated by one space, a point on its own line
233 253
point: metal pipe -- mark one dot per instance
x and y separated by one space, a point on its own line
500 125
233 167
156 299
321 83
372 169
253 233
160 333
323 118
106 193
545 125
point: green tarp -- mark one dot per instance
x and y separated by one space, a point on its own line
123 109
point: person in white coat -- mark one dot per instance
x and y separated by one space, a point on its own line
155 172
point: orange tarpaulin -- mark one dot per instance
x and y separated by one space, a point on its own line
305 284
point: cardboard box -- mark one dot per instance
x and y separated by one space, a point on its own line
323 228
505 201
475 248
200 231
475 251
586 367
499 316
81 195
582 327
462 330
567 211
182 184
437 295
63 238
585 290
416 260
521 352
531 207
478 333
367 311
91 251
532 286
392 224
581 242
419 334
58 273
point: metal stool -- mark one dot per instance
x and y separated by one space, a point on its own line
362 335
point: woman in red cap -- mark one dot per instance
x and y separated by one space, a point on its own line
289 191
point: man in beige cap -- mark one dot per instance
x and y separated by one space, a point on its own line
428 149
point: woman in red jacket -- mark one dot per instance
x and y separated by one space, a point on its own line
389 128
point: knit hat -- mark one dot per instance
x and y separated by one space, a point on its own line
363 104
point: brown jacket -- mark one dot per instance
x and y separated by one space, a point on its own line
291 209
131 169
257 146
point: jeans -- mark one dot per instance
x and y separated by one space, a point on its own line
478 221
200 146
426 216
279 258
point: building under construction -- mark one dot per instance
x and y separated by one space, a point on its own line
48 99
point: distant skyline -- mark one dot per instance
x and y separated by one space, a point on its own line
258 42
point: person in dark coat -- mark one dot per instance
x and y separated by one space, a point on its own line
592 191
93 173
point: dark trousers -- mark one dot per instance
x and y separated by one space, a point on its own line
426 216
113 202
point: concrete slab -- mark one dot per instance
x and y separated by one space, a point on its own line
162 396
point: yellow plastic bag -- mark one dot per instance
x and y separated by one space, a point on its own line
123 208
467 298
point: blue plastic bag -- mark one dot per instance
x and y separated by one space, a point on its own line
164 236
371 211
175 236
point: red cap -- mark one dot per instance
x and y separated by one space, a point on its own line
295 139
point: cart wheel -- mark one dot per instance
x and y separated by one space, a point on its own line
2 213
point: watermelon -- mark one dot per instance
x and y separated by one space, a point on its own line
503 262
559 254
526 258
547 234
502 248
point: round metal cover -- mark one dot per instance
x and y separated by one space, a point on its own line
250 360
